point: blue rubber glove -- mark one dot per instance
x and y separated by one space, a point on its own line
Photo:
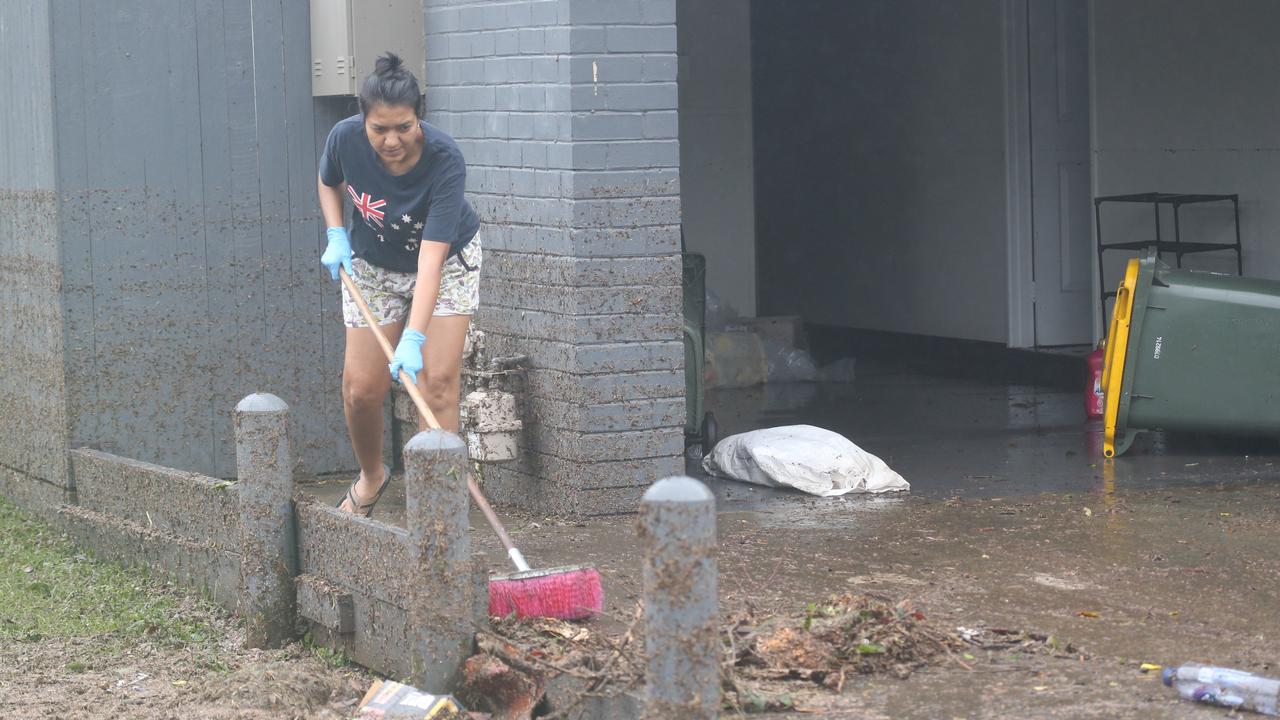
408 355
338 252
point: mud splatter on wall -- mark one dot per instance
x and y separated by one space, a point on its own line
33 439
175 258
567 114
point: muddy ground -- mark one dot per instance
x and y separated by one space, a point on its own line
102 678
1119 578
1160 576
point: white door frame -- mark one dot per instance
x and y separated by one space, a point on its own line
1017 136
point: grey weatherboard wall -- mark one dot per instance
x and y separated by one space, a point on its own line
183 272
32 390
566 111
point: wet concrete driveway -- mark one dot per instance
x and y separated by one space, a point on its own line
1165 555
952 437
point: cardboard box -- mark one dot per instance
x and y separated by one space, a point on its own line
387 700
786 330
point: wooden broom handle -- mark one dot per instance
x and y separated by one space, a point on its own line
411 387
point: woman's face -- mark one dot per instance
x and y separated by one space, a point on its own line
393 131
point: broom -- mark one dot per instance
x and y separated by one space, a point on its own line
568 593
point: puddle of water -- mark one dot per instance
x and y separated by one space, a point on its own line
966 438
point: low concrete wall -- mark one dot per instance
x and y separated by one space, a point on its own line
402 602
355 587
381 594
185 504
181 524
362 565
37 496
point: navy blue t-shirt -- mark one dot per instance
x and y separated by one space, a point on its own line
392 214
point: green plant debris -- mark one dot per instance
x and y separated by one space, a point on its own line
751 702
51 590
330 657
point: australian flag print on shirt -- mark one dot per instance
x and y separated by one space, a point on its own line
405 232
368 207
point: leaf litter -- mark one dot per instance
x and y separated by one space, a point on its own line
767 656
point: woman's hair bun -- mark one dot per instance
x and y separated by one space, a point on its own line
387 64
390 83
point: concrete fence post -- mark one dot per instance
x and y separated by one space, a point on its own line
480 588
442 609
681 640
268 551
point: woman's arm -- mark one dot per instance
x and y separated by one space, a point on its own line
431 257
441 226
337 254
330 202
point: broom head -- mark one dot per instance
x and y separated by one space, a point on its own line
565 593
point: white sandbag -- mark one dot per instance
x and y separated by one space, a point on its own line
804 457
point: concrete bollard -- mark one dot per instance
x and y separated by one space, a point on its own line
268 552
681 633
442 608
480 589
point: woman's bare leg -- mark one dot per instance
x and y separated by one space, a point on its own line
365 381
442 368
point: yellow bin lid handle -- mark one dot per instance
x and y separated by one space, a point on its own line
1117 351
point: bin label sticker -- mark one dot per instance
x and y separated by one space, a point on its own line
1159 346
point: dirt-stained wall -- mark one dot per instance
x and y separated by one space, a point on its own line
180 144
33 436
186 160
566 111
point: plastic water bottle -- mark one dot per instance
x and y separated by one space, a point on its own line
1225 687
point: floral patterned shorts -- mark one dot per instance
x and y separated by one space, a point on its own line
389 293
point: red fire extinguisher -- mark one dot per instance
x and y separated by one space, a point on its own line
1095 402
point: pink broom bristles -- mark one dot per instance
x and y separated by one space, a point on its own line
566 593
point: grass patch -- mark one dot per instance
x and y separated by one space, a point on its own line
335 659
49 589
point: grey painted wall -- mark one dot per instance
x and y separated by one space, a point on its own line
1190 104
32 391
880 164
717 175
186 156
182 146
26 146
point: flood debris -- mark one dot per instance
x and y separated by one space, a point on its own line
1225 687
520 661
767 656
277 687
768 659
829 641
508 693
387 699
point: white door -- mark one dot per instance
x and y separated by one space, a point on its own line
1062 244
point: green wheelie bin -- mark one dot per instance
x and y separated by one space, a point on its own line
699 427
1191 351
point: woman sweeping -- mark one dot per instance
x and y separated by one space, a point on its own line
413 250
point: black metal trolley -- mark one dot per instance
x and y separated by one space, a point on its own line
1175 246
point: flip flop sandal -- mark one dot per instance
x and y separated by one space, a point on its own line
366 509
